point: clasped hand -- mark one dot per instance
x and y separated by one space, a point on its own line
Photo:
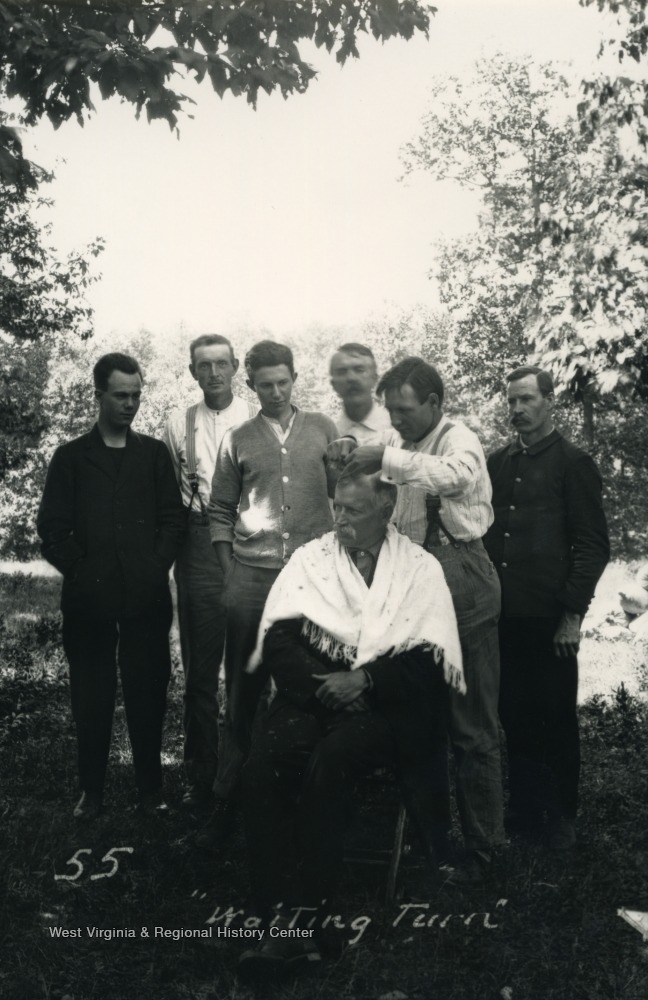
342 690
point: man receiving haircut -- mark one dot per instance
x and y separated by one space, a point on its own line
111 521
550 545
361 641
269 495
444 504
193 437
353 376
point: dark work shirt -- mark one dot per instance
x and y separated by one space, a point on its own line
549 540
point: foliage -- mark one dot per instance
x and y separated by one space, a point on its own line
41 298
52 52
558 268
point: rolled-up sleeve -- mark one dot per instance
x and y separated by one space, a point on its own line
451 474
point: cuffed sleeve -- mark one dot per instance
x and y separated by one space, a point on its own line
588 535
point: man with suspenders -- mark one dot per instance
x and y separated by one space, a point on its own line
444 504
193 438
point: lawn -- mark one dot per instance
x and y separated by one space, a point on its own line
81 905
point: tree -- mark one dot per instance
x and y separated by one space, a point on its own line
41 299
556 269
51 52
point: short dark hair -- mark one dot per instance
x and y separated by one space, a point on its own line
115 362
267 354
353 348
415 372
206 340
545 381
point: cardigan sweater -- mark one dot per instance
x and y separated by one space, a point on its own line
549 542
269 497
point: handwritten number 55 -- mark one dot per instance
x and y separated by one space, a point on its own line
109 857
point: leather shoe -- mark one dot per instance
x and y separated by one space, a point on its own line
561 834
281 954
198 797
473 869
219 828
152 804
89 806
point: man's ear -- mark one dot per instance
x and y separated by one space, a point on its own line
235 365
98 393
250 384
193 371
433 399
551 400
294 378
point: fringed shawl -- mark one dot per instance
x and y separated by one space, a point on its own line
408 605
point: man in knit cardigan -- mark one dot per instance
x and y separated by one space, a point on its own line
269 495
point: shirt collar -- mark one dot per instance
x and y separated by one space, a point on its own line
371 421
273 420
373 550
429 439
518 446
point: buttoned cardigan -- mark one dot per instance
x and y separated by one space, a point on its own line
269 497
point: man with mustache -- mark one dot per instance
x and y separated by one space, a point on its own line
353 376
193 437
360 638
549 544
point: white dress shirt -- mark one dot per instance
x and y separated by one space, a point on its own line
210 429
369 430
457 474
276 427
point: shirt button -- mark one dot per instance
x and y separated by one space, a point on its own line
524 451
512 507
284 451
286 534
504 565
284 479
507 534
518 480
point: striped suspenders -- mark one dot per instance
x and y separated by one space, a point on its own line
192 475
433 508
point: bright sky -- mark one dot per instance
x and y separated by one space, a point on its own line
293 214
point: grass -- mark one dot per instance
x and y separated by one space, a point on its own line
545 927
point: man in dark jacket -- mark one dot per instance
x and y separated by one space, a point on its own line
360 637
549 544
111 521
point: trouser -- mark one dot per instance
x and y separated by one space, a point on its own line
298 789
247 588
538 709
473 723
201 615
140 645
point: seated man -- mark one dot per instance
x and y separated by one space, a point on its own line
360 637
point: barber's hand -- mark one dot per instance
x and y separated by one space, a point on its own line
567 638
366 459
341 688
339 450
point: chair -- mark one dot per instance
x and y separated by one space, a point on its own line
382 781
